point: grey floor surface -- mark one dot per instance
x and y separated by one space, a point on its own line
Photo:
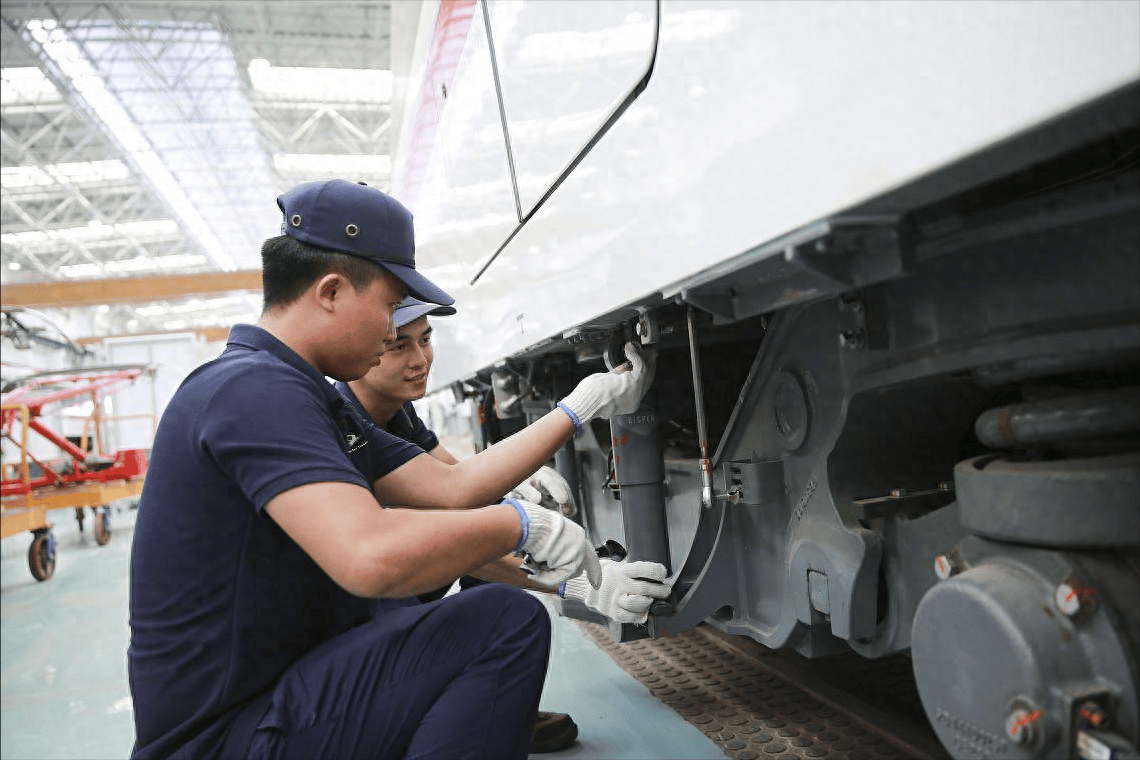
63 692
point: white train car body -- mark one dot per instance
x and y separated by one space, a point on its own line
756 120
888 254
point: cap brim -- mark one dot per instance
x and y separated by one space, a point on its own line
418 286
411 312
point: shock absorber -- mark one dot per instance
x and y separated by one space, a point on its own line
640 473
639 469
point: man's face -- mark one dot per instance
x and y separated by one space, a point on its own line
403 371
366 325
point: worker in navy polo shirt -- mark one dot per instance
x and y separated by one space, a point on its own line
401 377
272 600
384 396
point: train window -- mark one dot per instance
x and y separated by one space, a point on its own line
565 68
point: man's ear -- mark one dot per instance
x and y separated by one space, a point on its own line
328 289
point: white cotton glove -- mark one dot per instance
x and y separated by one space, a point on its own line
556 549
619 391
546 479
627 590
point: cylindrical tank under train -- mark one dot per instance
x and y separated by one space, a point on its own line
888 257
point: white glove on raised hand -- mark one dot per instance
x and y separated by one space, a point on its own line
619 391
627 590
558 548
546 479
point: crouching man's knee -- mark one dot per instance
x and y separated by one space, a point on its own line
514 613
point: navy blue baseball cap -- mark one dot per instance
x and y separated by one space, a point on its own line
411 309
353 218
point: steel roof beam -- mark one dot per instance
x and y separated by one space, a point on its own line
128 289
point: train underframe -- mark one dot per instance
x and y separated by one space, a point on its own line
914 432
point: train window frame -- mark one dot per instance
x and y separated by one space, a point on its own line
620 105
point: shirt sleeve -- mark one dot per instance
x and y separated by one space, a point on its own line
386 451
273 432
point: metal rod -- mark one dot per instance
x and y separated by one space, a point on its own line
699 403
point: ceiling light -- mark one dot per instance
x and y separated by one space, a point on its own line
95 231
87 172
140 264
323 85
24 176
25 85
333 165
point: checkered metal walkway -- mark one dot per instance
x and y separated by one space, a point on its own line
762 706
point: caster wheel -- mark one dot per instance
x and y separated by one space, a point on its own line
41 556
103 526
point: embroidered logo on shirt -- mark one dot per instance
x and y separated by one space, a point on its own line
350 428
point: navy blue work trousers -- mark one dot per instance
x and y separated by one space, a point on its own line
457 678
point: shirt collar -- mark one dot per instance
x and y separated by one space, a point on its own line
400 422
347 392
259 339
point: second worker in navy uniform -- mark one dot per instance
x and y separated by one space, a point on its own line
384 396
272 601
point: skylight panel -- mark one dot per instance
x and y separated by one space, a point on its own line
90 88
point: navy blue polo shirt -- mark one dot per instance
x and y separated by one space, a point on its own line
405 423
221 599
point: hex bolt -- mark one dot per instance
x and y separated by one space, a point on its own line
1067 599
1020 725
943 567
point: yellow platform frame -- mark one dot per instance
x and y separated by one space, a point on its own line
29 512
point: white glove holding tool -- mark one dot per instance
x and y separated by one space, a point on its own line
627 590
618 391
546 479
554 548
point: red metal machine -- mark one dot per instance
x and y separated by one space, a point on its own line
85 476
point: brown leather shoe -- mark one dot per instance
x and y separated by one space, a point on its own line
552 732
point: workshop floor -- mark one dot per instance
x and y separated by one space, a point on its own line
64 682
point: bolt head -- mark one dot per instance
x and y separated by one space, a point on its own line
1017 729
1019 726
1067 599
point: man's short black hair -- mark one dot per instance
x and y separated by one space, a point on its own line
289 266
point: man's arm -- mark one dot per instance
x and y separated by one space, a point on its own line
426 481
506 570
479 479
374 552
